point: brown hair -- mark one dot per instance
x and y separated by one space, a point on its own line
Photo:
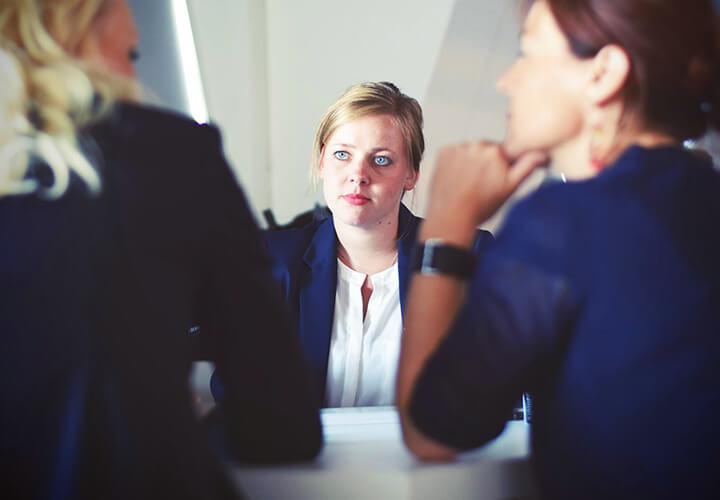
373 98
674 51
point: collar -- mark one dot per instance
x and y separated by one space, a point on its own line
325 238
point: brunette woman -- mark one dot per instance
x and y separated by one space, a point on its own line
600 295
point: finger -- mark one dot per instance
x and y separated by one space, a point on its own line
524 166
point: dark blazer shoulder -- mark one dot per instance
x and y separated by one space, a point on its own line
135 127
409 226
143 119
288 245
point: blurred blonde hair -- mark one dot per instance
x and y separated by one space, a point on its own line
47 94
372 98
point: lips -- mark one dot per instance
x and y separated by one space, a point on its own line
355 199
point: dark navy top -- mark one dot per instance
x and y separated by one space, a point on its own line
603 298
96 298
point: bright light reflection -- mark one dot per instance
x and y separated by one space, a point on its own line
189 62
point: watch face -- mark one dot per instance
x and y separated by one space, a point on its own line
436 257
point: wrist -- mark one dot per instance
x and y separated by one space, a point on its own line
437 257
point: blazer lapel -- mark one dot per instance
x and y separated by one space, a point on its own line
317 300
407 234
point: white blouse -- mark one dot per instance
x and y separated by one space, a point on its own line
362 367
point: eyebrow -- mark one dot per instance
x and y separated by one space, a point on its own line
352 146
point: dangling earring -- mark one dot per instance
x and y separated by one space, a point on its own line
597 140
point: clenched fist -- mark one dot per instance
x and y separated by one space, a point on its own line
471 181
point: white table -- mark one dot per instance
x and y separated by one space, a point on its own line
364 458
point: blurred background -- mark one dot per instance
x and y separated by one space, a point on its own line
264 71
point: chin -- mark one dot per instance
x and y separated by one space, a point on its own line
350 217
515 148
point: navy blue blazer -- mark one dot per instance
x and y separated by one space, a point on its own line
97 295
304 264
602 298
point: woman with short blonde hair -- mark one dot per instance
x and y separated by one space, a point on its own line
344 279
370 98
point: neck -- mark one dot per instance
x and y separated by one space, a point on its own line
572 159
368 250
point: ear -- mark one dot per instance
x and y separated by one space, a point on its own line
610 70
411 179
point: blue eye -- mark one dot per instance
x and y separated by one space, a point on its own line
382 161
341 155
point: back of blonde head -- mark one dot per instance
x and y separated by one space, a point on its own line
47 94
372 98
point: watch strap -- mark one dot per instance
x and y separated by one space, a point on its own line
434 256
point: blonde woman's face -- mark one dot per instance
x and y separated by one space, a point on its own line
113 39
365 170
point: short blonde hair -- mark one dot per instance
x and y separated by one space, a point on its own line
59 94
372 98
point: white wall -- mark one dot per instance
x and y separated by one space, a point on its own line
159 67
230 38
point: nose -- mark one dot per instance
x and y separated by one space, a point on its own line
359 172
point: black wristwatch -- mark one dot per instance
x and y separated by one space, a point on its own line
437 257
